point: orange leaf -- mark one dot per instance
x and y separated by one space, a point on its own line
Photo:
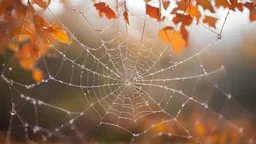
153 12
40 22
206 4
29 50
223 3
37 75
105 9
27 32
211 21
168 35
125 14
251 7
59 34
193 11
42 3
235 4
27 63
184 19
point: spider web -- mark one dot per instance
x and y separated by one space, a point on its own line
120 83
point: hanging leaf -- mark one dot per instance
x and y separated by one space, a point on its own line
40 22
184 33
252 8
42 3
37 75
206 4
59 34
168 35
105 9
153 12
183 19
194 12
211 21
235 4
223 3
125 15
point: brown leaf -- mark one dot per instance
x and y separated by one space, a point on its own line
105 9
235 4
153 12
251 7
206 4
184 33
184 19
42 3
168 35
211 21
224 3
37 75
125 15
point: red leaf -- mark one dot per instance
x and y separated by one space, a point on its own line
206 4
251 7
153 12
184 19
105 9
125 15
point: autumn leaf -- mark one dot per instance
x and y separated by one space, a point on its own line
184 19
59 34
20 30
28 55
27 63
211 21
235 4
153 12
37 75
206 4
125 15
223 3
194 12
251 7
29 50
40 22
42 3
184 33
168 35
105 9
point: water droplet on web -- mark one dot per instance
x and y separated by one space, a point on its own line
10 69
13 112
219 37
99 30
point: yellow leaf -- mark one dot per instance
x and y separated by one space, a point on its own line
176 40
61 36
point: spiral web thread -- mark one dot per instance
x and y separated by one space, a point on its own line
119 77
